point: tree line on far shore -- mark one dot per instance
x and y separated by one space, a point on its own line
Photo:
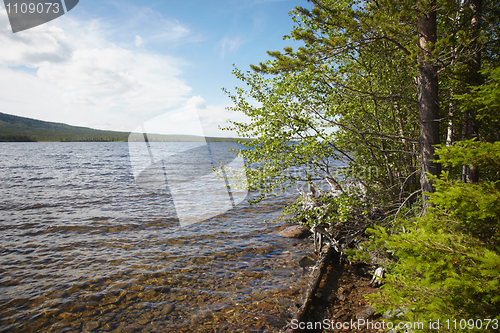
16 138
21 129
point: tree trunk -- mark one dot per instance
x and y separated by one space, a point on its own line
427 96
470 173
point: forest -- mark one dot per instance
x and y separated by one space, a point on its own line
408 94
22 129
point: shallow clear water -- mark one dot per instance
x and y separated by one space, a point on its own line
84 248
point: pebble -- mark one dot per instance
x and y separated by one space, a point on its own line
111 300
365 313
220 306
162 289
340 294
166 309
90 326
202 316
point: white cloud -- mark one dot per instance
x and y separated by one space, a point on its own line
230 44
183 120
138 41
198 101
213 116
83 78
32 49
150 25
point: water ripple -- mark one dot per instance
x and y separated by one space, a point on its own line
84 248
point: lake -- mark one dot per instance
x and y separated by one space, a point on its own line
87 245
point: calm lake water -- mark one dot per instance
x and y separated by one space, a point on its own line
86 248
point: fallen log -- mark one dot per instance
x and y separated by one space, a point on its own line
311 288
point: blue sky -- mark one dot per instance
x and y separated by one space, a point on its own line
116 64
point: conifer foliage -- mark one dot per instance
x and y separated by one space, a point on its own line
446 264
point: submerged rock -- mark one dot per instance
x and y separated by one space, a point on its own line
90 326
309 260
295 231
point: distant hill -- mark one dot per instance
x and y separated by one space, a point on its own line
12 127
21 129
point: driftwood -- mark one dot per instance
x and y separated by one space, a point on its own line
319 231
311 288
339 236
